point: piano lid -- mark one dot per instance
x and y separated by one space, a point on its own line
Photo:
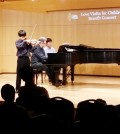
67 49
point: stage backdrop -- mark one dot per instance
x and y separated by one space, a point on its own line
1 41
98 28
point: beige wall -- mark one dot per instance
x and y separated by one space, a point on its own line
60 28
1 41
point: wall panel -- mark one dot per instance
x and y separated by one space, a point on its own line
1 40
60 27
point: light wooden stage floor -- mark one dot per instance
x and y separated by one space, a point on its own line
85 87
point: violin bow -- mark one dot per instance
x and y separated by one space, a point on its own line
33 32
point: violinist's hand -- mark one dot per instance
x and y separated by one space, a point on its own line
35 42
32 42
28 41
38 42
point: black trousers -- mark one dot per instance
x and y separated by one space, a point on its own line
43 67
22 61
54 73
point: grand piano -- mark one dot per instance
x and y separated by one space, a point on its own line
70 55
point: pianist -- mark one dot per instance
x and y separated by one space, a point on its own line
49 49
38 57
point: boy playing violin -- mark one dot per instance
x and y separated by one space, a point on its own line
23 52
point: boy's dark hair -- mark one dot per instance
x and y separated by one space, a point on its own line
21 33
48 40
26 73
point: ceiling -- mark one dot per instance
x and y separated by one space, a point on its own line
56 5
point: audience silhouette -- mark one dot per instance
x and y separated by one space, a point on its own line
12 116
33 98
35 112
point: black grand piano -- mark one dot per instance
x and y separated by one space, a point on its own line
70 55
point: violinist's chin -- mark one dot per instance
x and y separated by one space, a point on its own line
23 37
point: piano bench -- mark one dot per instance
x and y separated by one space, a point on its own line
36 74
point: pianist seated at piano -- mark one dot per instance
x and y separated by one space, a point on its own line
49 49
38 57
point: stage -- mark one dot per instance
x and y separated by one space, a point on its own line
85 87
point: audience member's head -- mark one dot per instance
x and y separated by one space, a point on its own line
8 93
26 73
101 101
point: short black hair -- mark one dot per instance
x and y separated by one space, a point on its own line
8 92
21 33
48 40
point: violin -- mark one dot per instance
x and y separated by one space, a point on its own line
33 41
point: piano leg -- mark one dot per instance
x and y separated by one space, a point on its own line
72 74
64 76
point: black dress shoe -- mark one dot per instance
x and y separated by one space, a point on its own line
60 81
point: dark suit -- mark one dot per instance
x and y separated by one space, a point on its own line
38 58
